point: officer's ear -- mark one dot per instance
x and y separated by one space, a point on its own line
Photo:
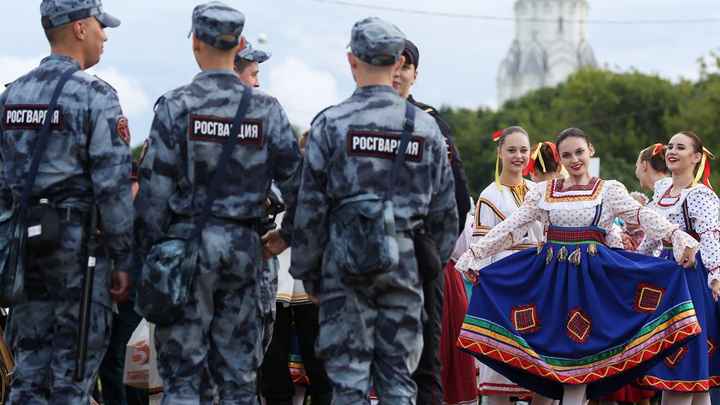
400 63
195 44
352 59
79 29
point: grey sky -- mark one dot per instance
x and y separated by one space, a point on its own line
149 54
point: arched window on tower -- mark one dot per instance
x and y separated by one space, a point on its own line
560 24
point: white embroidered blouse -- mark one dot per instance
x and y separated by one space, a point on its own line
703 209
493 207
553 204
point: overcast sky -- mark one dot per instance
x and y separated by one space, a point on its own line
149 54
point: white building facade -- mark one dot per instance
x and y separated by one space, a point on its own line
550 44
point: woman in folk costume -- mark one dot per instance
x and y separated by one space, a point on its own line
687 200
574 318
498 201
458 372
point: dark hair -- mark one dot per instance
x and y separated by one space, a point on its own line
571 133
242 64
657 162
551 166
508 131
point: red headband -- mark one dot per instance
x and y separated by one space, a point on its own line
535 153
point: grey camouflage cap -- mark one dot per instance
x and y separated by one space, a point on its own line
377 42
213 19
251 54
60 12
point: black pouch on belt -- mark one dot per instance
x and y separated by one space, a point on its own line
426 254
43 229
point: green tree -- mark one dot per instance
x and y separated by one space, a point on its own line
622 112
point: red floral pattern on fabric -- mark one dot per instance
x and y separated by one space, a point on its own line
578 187
579 325
647 298
525 318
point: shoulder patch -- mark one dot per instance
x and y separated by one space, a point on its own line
215 129
30 116
383 145
123 129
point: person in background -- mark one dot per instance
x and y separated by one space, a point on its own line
687 200
434 375
296 318
247 64
114 392
498 201
544 163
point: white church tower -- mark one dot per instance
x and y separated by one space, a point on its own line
544 53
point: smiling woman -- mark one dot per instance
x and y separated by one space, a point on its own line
558 319
497 202
687 200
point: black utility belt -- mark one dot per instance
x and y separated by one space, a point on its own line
43 226
252 223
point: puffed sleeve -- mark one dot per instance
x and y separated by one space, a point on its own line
614 238
648 246
503 235
485 219
704 208
655 225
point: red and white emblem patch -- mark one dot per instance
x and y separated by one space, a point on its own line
123 129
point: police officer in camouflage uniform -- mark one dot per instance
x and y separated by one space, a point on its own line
85 163
427 375
247 64
370 329
219 328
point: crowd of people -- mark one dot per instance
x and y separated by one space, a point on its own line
580 290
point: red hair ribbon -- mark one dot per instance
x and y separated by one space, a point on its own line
704 170
536 155
496 135
656 148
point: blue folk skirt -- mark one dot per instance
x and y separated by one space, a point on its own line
695 366
577 312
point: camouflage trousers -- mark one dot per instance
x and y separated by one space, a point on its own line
268 294
371 331
43 331
219 330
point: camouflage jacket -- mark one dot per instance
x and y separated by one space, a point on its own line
350 151
185 143
87 158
